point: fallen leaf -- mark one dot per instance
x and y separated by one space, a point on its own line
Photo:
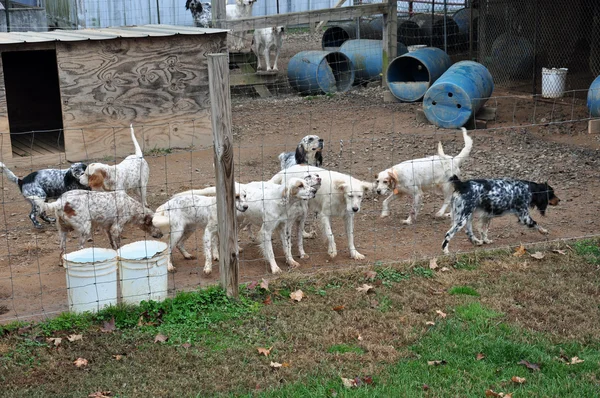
141 321
348 383
186 345
433 263
160 338
80 362
538 255
285 365
265 351
338 308
267 301
359 338
370 275
75 337
425 387
529 365
118 357
430 323
100 394
367 380
54 340
436 363
108 327
364 288
298 295
440 313
445 269
519 251
374 303
518 380
491 393
563 252
480 356
575 360
275 365
264 284
252 285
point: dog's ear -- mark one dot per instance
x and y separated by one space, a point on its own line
148 219
339 185
300 154
539 197
319 158
393 177
368 187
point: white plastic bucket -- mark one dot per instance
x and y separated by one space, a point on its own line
91 279
143 268
415 47
553 82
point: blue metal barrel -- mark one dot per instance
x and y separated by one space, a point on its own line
410 75
593 98
367 58
334 36
320 72
458 94
462 18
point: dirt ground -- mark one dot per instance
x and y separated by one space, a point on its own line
363 135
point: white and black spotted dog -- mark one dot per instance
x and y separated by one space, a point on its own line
309 152
46 184
201 12
494 198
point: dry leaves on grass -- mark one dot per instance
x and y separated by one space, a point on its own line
100 394
186 345
54 340
519 251
518 380
264 351
433 263
277 365
338 308
370 275
430 323
357 381
118 357
365 288
298 295
437 363
264 284
440 313
75 337
160 338
538 255
445 269
570 361
81 362
252 285
268 301
563 252
480 356
492 393
529 365
108 326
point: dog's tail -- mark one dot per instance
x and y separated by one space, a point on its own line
466 151
44 206
441 150
210 191
9 174
138 150
282 162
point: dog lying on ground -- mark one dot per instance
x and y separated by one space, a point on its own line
265 40
46 184
494 198
412 177
201 12
340 195
81 211
309 151
131 174
184 213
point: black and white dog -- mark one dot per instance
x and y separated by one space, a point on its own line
201 12
307 152
46 184
494 198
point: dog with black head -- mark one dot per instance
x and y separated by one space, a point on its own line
308 152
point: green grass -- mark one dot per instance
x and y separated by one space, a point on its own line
423 272
589 250
390 275
158 151
466 290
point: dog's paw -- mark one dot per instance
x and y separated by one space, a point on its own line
188 256
275 69
170 267
356 255
304 256
292 263
487 241
476 242
385 214
207 270
446 251
309 235
275 270
408 221
332 253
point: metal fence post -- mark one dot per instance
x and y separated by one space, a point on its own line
220 104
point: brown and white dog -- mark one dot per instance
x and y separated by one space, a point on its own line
131 174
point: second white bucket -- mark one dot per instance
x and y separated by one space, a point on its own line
553 82
91 279
143 269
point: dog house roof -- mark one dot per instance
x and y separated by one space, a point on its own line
104 33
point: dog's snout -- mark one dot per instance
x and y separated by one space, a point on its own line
355 209
245 207
379 192
321 143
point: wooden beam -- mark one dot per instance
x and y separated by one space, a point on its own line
295 18
390 36
220 104
219 13
323 22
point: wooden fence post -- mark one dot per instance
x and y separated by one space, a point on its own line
390 37
220 104
218 11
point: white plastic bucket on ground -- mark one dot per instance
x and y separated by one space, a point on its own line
416 47
144 274
91 279
553 82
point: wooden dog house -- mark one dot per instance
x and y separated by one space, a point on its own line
72 94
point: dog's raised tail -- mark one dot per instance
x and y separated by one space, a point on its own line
466 151
138 150
9 174
44 206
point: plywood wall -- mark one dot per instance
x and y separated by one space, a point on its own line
159 84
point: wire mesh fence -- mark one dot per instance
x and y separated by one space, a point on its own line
534 140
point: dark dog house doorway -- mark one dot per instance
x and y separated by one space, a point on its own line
33 102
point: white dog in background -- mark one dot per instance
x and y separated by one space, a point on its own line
131 174
265 40
414 176
340 195
241 9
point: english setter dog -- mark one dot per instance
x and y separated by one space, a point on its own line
81 211
494 198
200 12
265 40
309 151
131 174
46 184
412 177
340 195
